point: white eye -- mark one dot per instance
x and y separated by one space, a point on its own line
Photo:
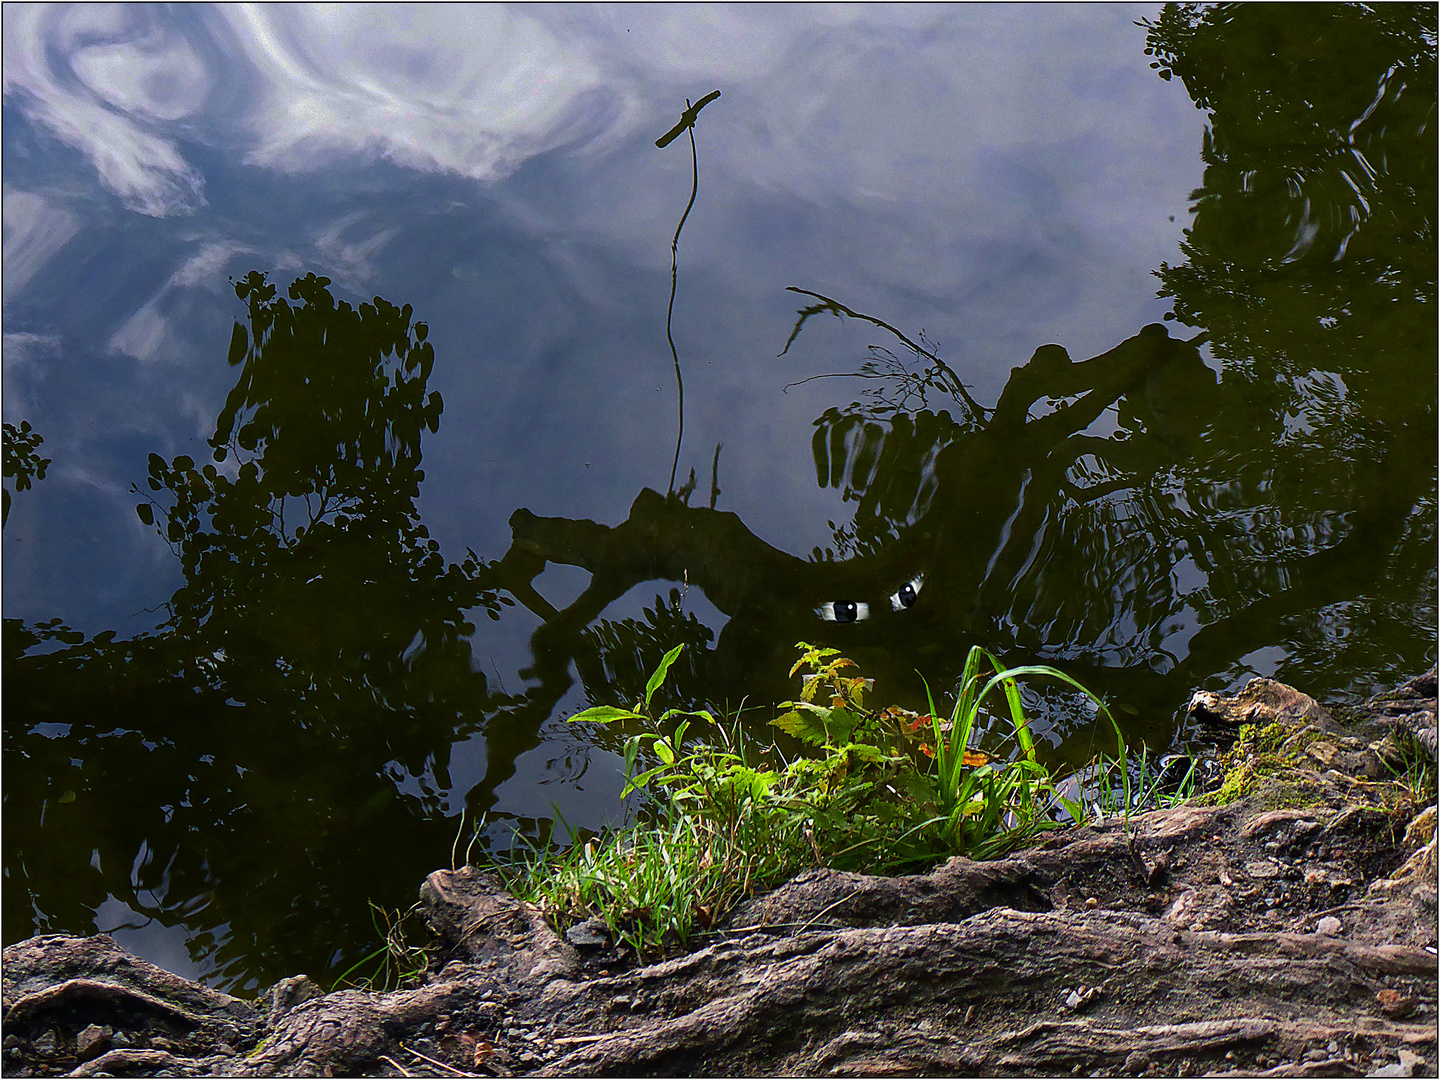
843 610
904 596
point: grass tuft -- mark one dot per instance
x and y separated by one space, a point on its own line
399 962
1154 783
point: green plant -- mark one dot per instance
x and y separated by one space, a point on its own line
718 834
651 884
886 788
1411 767
399 962
1150 788
967 801
991 806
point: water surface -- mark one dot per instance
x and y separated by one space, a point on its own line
235 737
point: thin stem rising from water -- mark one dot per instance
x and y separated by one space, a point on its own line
670 312
687 124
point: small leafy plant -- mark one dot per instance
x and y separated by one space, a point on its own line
1411 766
965 801
652 885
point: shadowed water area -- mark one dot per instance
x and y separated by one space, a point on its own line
1103 345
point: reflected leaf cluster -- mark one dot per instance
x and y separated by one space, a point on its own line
615 657
299 702
22 461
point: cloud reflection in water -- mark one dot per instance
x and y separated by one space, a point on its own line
998 176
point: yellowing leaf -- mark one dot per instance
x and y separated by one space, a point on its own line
605 714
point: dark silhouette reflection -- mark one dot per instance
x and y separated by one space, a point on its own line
943 549
278 752
613 656
1130 555
1311 263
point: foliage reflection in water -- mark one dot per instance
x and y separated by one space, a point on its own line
277 752
290 724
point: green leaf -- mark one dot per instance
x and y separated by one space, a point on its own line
1017 710
1053 673
806 723
146 513
863 752
754 783
605 714
640 781
660 673
811 656
1075 809
664 751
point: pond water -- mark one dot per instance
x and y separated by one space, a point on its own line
1119 355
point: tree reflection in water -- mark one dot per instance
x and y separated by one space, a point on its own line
1311 264
974 514
278 751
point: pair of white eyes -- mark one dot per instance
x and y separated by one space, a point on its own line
847 611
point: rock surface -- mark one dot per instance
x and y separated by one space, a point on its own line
1289 932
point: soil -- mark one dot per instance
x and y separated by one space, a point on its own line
1283 925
